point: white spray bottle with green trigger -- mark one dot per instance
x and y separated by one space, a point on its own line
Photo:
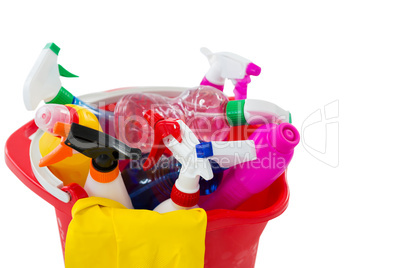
43 83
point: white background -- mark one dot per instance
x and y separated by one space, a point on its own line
312 53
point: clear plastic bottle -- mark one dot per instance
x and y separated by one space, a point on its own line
205 110
202 109
147 189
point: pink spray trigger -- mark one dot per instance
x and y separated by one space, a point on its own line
240 89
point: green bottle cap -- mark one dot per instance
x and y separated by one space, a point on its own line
235 113
63 97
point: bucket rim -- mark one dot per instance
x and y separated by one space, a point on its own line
216 218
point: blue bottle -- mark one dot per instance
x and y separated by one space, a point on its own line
147 189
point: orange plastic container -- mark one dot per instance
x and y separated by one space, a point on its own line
232 235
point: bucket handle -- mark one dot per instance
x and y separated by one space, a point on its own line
45 177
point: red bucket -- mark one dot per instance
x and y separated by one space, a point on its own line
232 235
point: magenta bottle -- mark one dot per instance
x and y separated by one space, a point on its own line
274 145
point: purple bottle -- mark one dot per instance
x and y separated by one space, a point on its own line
274 145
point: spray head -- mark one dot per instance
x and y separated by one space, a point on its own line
232 66
46 118
43 82
102 148
226 65
176 136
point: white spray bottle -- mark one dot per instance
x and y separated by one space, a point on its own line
181 141
43 82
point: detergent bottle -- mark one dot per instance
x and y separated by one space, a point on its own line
274 144
226 65
104 178
147 189
181 141
43 83
75 168
205 110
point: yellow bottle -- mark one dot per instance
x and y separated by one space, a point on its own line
74 168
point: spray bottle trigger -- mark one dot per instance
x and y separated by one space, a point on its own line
206 171
162 129
60 153
63 72
157 150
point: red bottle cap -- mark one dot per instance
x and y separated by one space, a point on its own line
184 199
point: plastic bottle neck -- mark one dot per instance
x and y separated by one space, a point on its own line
103 176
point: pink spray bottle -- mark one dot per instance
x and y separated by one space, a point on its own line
274 145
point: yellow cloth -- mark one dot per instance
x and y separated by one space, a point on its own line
104 234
